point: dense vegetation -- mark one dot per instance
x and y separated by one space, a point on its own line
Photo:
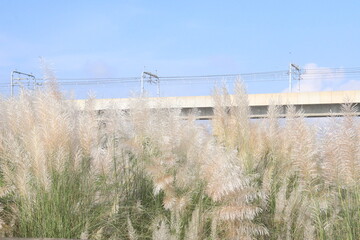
149 174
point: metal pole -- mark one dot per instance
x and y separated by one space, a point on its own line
158 87
158 83
35 84
142 84
290 78
12 83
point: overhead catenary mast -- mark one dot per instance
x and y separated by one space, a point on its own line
294 70
19 80
151 78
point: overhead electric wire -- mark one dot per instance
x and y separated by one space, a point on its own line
306 74
92 78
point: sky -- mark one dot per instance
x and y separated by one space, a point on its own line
115 38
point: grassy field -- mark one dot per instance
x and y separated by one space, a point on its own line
152 175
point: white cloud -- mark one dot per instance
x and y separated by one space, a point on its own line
99 69
350 85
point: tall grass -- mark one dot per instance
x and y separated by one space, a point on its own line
150 174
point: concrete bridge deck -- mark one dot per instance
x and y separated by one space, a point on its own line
314 104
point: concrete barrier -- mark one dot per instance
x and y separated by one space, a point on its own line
313 104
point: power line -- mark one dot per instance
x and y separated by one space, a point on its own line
102 78
308 74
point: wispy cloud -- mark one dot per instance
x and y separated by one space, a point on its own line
350 85
99 69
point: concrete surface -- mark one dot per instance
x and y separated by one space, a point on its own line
314 104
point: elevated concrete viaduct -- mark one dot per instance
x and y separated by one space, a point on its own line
313 104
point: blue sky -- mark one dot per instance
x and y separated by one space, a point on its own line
108 38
